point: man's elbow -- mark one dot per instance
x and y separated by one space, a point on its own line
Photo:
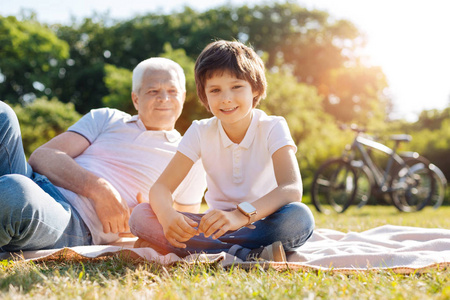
33 160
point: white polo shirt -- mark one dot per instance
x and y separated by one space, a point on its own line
237 172
131 158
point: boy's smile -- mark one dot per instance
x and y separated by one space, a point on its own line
229 110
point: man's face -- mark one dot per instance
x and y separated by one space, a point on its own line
160 99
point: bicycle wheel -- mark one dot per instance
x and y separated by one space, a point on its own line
439 180
334 186
364 183
440 185
411 187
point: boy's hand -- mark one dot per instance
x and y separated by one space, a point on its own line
178 228
218 222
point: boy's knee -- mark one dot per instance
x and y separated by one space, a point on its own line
299 217
140 214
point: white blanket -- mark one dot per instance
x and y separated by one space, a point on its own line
397 248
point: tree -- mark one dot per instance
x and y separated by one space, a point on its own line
42 120
81 81
119 83
31 58
356 95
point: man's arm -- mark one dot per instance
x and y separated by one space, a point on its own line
55 159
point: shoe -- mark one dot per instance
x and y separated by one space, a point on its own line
273 252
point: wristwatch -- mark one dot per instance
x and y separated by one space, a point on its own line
248 210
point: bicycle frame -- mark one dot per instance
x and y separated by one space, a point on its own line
381 178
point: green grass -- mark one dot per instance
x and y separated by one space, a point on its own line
119 278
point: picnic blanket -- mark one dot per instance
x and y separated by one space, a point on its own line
399 249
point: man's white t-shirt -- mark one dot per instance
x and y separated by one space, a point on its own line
241 172
131 158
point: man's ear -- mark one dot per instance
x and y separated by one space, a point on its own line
135 100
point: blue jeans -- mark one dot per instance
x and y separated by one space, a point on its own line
292 224
33 213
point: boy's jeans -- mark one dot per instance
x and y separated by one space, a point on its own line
292 224
33 213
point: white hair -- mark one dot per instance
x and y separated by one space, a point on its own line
157 63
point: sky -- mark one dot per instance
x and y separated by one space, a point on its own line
409 39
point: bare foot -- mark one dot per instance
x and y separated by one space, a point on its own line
141 243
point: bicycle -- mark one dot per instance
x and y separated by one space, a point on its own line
355 175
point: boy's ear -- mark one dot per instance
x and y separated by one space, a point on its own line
255 99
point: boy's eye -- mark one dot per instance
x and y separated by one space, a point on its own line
214 90
237 87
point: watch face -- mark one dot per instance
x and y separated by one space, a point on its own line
247 207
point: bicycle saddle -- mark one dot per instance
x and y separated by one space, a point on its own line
401 137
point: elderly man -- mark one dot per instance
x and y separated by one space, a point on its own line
78 188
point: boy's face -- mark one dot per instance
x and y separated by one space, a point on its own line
230 99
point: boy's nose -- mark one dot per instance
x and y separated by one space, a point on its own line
226 97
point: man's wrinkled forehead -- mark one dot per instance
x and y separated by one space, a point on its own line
157 75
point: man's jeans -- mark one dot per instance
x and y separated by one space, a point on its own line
292 224
33 213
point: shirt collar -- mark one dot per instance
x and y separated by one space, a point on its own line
249 135
171 135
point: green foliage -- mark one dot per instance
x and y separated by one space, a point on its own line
355 94
42 120
82 80
119 83
31 57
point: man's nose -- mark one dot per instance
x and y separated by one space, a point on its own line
163 95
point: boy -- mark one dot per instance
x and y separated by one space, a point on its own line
253 179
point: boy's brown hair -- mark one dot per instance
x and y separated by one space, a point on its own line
226 56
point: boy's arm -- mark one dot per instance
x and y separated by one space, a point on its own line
177 227
55 159
289 190
194 208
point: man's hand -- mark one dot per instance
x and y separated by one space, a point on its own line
218 222
178 228
140 200
111 209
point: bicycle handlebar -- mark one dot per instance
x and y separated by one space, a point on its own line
353 127
396 137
